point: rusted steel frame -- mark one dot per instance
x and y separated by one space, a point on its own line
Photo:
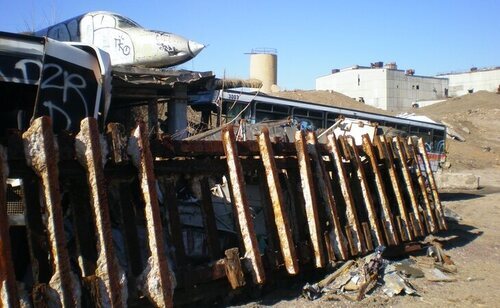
386 151
207 211
272 251
376 232
432 182
158 285
387 216
241 206
41 154
403 159
86 242
8 284
325 189
276 196
174 219
202 274
129 228
166 147
356 233
310 201
117 142
88 153
428 213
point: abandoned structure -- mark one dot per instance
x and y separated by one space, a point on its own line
476 79
384 86
96 211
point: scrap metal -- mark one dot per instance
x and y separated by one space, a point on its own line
321 203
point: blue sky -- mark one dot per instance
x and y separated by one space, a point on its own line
311 37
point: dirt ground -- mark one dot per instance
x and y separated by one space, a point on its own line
476 250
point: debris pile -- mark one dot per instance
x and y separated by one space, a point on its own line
373 274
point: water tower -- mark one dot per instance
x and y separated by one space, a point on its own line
264 67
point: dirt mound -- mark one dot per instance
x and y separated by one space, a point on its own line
476 118
329 98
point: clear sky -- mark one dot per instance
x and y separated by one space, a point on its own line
312 37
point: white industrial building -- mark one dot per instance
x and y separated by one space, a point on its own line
384 86
487 79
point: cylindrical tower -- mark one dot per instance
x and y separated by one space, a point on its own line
264 67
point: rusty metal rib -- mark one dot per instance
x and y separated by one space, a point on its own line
88 152
276 195
356 233
310 202
8 285
388 222
325 189
158 285
433 186
405 230
41 154
367 197
240 204
409 184
428 214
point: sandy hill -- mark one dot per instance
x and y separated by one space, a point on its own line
476 117
329 98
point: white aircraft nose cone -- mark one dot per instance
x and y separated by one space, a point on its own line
195 47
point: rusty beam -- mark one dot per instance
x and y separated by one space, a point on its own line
388 156
325 189
432 182
88 153
376 232
428 213
41 154
412 194
355 234
8 284
310 201
156 281
386 215
174 219
207 211
241 206
117 141
276 195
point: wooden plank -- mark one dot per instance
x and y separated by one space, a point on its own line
275 191
88 153
241 206
356 236
428 213
310 201
207 211
156 283
411 192
8 284
234 272
42 156
432 182
325 189
367 196
386 215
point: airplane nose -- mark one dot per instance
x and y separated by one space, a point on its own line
195 47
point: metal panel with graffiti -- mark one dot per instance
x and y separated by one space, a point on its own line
126 41
41 76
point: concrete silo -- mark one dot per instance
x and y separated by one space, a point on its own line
264 67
